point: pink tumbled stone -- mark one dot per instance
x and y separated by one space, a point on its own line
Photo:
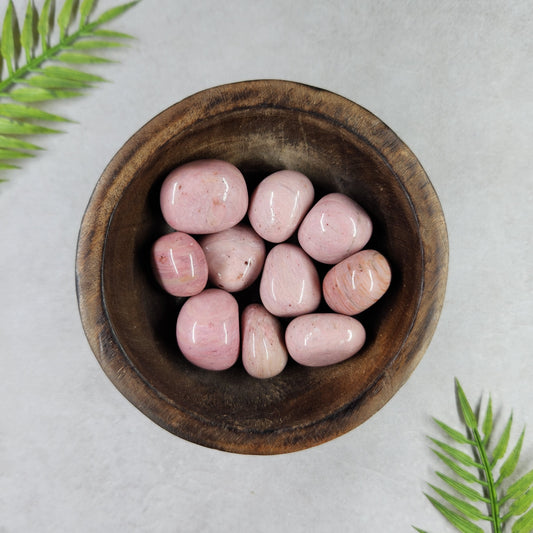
207 329
204 196
322 339
279 204
263 346
335 228
234 256
356 283
179 264
289 284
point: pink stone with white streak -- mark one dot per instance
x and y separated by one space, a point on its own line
321 339
207 329
289 284
279 204
204 196
335 228
179 264
263 345
356 283
234 256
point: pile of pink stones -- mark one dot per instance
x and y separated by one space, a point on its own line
208 199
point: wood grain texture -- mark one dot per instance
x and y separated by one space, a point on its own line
261 127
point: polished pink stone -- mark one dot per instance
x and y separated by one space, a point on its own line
234 256
204 196
321 339
279 204
263 346
289 284
356 283
335 228
179 264
207 329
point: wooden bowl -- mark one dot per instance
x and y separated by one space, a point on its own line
259 126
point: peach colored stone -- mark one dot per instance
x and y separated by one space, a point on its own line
234 256
204 196
335 228
321 339
207 329
279 204
356 283
179 264
289 284
263 346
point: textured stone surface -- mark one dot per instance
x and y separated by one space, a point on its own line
289 284
204 196
207 329
263 345
179 264
335 228
356 283
279 204
321 339
234 256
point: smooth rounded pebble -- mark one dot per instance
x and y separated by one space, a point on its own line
356 283
179 264
204 196
234 256
322 339
263 345
279 204
207 329
335 228
289 284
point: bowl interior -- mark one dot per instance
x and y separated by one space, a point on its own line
302 406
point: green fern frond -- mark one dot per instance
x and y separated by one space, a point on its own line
34 69
479 472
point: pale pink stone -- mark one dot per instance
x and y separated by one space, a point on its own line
335 228
289 284
207 329
279 204
356 283
204 196
263 346
322 339
234 256
179 264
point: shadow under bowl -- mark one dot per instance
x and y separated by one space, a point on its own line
260 126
